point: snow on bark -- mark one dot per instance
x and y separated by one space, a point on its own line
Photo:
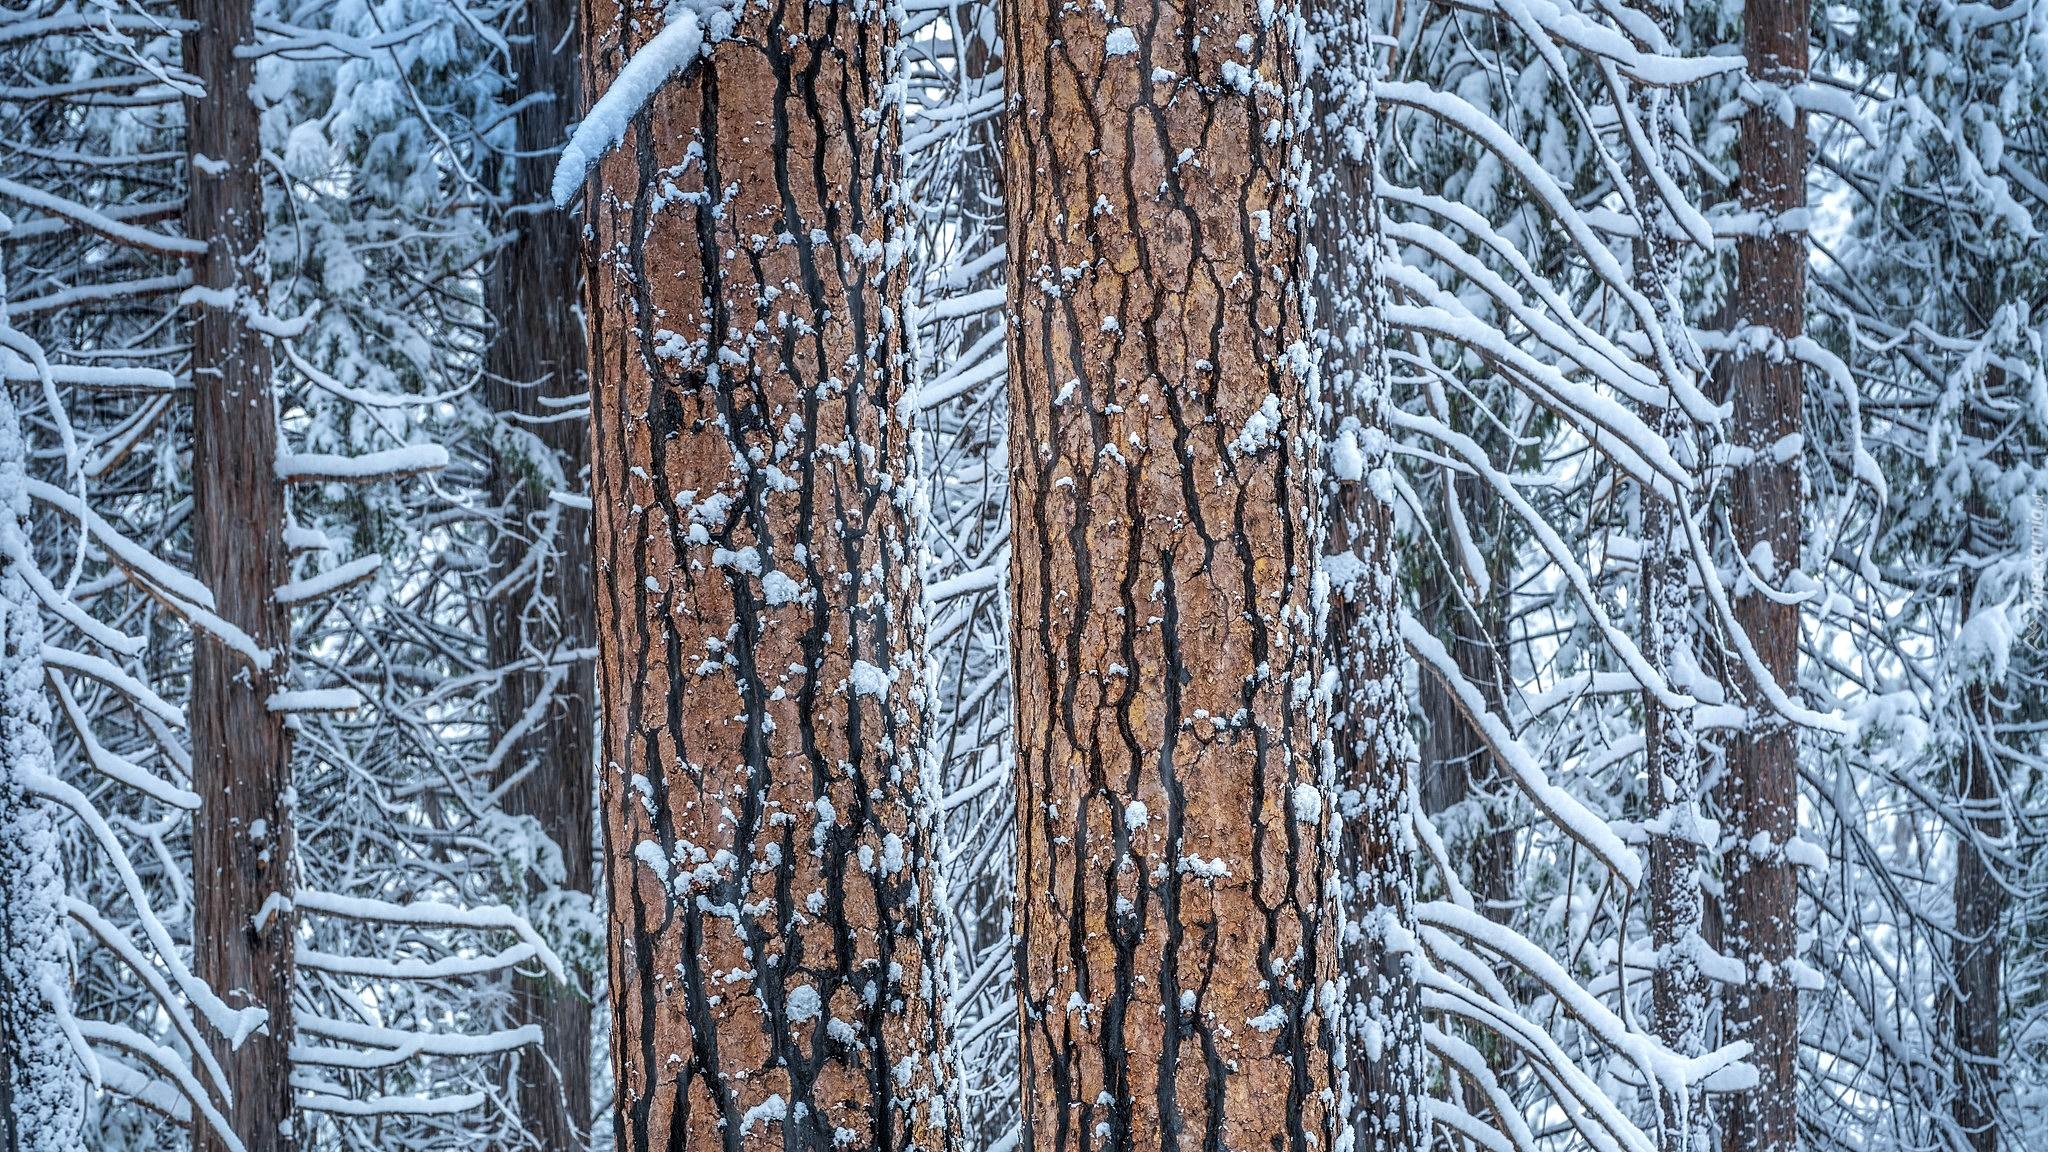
42 1082
1379 1026
778 987
1175 962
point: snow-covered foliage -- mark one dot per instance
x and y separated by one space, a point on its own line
1551 252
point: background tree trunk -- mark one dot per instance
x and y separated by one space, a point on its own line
1761 890
535 384
42 1086
1977 951
1370 735
242 841
1671 739
775 953
1173 834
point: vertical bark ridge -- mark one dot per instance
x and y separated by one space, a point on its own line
533 380
1761 890
775 954
242 842
1381 1046
1174 912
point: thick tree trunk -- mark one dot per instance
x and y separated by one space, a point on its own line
775 953
242 840
1761 891
1370 736
1174 911
542 611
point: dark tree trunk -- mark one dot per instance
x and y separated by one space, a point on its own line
535 384
1370 734
775 949
1761 890
1978 952
1174 845
242 841
1456 765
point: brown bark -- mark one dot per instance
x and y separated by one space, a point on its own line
1370 735
775 955
534 383
1173 927
1761 890
242 841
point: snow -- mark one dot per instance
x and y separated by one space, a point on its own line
1121 41
1261 429
389 463
1307 803
678 45
779 589
869 680
315 700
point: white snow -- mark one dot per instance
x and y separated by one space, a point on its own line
678 45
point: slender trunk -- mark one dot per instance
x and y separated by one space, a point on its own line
534 384
1370 736
1678 989
1455 765
775 954
1761 891
42 1090
242 841
1174 844
1671 751
1979 947
1977 952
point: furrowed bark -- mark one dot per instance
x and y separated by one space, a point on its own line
775 953
1761 892
1381 1049
1175 859
242 841
534 383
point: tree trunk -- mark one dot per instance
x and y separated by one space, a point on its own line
1671 745
775 953
1174 846
1370 737
42 1087
1761 891
1455 764
534 384
242 841
1979 944
1977 951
